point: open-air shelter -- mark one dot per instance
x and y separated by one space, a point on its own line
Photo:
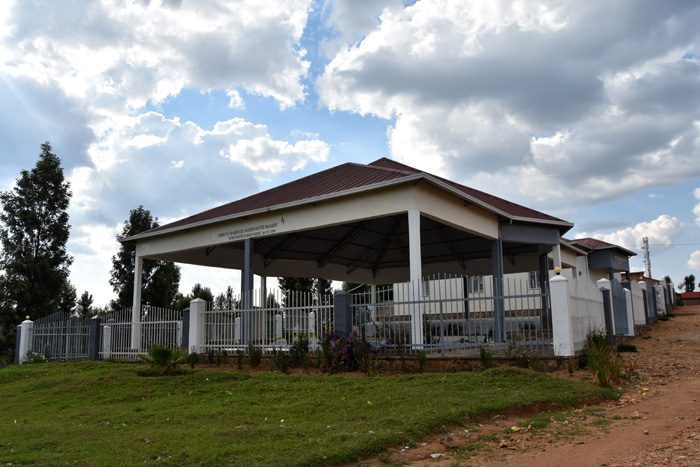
378 223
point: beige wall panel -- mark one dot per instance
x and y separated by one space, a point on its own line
449 209
366 205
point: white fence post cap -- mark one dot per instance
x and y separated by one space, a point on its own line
558 279
603 284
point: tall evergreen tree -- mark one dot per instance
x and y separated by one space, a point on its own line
160 279
85 305
34 231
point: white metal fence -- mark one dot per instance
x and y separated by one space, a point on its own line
123 338
455 315
60 337
276 325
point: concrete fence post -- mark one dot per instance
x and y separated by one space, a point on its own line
630 312
342 311
562 329
196 332
17 342
107 340
605 288
185 343
25 341
94 338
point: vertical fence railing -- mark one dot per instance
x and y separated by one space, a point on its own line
454 315
60 337
159 326
276 321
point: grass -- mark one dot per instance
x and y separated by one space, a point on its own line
99 413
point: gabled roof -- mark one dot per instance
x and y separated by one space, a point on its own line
351 178
596 244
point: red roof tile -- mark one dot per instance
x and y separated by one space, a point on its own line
340 179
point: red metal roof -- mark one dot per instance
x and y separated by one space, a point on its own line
340 179
594 243
690 295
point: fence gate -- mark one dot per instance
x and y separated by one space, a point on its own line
61 337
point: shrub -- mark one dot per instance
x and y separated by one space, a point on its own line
163 360
602 359
622 347
255 355
33 357
192 359
210 356
239 359
421 358
299 350
282 361
486 357
348 354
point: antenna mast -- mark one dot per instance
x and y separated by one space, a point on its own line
647 258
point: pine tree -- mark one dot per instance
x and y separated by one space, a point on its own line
160 279
34 230
85 305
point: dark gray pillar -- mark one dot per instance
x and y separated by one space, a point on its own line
342 311
95 338
247 290
607 313
499 317
611 274
545 312
646 305
17 340
186 329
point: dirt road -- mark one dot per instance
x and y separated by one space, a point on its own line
656 422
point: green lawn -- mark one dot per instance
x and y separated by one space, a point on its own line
87 413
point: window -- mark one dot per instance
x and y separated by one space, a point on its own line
476 284
534 280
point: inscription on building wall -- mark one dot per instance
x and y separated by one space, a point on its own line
248 232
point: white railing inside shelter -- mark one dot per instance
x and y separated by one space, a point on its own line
274 322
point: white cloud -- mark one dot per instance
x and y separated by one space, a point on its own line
506 96
135 174
119 56
662 233
235 100
694 261
696 209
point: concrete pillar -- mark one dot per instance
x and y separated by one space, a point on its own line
556 256
373 301
562 327
18 337
499 314
136 305
95 338
416 272
107 340
342 311
263 291
185 344
312 326
247 284
605 288
196 339
25 339
630 312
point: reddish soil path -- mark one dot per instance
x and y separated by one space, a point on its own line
653 427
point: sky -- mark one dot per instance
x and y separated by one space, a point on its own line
588 111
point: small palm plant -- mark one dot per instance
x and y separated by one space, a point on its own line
163 360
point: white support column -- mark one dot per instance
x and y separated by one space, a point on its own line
197 335
247 284
136 305
562 328
25 339
416 272
630 312
263 291
556 256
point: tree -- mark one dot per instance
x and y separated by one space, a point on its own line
160 279
34 230
198 291
296 291
667 279
85 305
689 283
